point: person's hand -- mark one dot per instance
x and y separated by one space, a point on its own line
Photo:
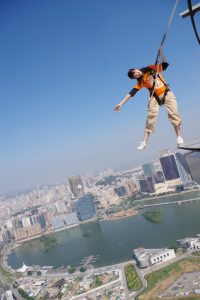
118 107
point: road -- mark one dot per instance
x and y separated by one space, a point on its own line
9 286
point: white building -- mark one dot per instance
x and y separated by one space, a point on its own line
60 206
4 237
9 224
7 296
26 222
189 243
148 257
64 220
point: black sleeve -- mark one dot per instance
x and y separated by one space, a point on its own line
145 69
164 65
133 92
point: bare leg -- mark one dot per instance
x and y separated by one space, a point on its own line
146 136
177 130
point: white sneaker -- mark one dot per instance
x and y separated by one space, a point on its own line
142 146
180 141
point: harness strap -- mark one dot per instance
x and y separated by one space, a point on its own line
161 101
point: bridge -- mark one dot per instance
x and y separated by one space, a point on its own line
169 202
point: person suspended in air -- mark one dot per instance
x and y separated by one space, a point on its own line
151 78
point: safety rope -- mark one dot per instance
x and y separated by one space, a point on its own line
192 20
161 44
167 29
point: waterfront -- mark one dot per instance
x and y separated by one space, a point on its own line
112 242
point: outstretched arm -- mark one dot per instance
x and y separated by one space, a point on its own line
125 99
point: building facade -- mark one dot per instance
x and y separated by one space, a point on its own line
193 162
147 185
169 165
147 257
27 232
85 207
76 186
183 168
148 169
64 220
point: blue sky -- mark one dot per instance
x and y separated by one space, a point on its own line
63 68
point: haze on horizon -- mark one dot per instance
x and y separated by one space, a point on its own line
63 68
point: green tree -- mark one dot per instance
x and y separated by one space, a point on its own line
82 269
71 270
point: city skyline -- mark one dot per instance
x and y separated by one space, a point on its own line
64 68
98 174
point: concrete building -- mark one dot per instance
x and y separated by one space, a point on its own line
60 206
85 207
76 186
40 219
27 232
108 197
183 168
9 224
189 243
5 236
120 191
64 220
147 257
158 177
7 296
26 221
132 186
169 165
148 169
193 162
147 185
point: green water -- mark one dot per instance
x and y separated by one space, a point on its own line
113 241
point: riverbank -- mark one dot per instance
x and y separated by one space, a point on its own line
114 241
157 197
121 215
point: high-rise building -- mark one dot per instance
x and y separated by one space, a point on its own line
5 236
27 232
169 166
85 207
40 219
159 177
64 220
183 168
76 186
60 206
193 162
120 191
148 169
132 186
26 221
147 185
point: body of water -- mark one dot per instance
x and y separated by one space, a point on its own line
113 241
